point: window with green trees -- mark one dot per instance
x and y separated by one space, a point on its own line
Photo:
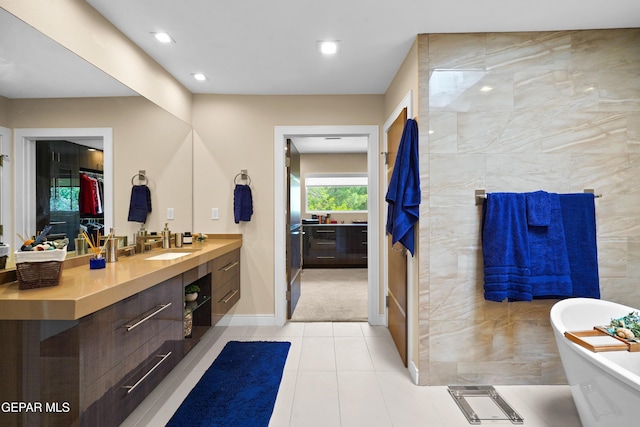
336 193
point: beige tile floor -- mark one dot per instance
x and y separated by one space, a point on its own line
347 375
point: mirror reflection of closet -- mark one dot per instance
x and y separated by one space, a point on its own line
70 188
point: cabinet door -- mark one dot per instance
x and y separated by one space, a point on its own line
357 243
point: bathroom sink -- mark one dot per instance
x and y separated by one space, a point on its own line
167 256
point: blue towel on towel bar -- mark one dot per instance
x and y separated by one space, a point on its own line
505 248
242 203
579 218
404 194
140 203
538 208
550 271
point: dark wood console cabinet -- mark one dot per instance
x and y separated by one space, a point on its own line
335 245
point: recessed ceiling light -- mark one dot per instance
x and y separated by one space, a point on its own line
163 37
486 89
328 47
199 76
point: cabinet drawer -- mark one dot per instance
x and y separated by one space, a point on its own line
115 395
224 298
225 267
112 334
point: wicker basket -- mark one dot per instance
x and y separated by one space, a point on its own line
39 269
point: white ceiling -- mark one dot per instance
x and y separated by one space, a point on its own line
269 47
331 144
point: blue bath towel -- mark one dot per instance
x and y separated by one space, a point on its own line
404 194
550 271
538 208
505 248
242 203
140 203
579 220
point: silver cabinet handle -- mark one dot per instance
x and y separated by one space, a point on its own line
130 388
325 257
229 296
147 317
325 231
326 243
229 266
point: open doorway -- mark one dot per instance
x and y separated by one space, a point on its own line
329 179
25 141
282 134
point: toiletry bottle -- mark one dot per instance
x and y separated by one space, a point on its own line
81 243
111 247
188 238
166 237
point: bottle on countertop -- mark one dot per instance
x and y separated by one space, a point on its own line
166 237
81 243
187 239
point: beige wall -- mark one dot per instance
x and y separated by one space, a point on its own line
563 116
405 80
144 137
332 163
234 132
4 111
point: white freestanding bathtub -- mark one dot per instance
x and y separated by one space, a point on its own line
605 385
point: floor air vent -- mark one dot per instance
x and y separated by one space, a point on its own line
483 402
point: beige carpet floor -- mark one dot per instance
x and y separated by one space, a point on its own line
332 295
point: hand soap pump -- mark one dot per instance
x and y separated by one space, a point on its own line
166 237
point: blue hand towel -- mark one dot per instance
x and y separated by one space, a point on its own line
538 208
242 203
579 220
505 248
550 271
140 203
404 194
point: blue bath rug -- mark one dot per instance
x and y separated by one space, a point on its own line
238 389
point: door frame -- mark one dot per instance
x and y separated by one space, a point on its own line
24 169
412 264
5 181
281 133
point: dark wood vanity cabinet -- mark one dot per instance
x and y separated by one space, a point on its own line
225 271
126 349
335 245
96 370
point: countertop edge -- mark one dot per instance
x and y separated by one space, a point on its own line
29 306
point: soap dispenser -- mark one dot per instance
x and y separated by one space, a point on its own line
166 237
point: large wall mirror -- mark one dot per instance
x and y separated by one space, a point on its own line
40 106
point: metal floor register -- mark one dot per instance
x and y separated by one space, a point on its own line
488 404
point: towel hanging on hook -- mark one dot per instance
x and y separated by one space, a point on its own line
140 202
242 198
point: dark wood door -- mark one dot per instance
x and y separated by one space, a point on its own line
397 256
294 228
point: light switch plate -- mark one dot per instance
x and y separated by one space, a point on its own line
170 213
214 213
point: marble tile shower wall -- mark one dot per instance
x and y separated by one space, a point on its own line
557 111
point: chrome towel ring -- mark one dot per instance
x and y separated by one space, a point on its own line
142 178
244 176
